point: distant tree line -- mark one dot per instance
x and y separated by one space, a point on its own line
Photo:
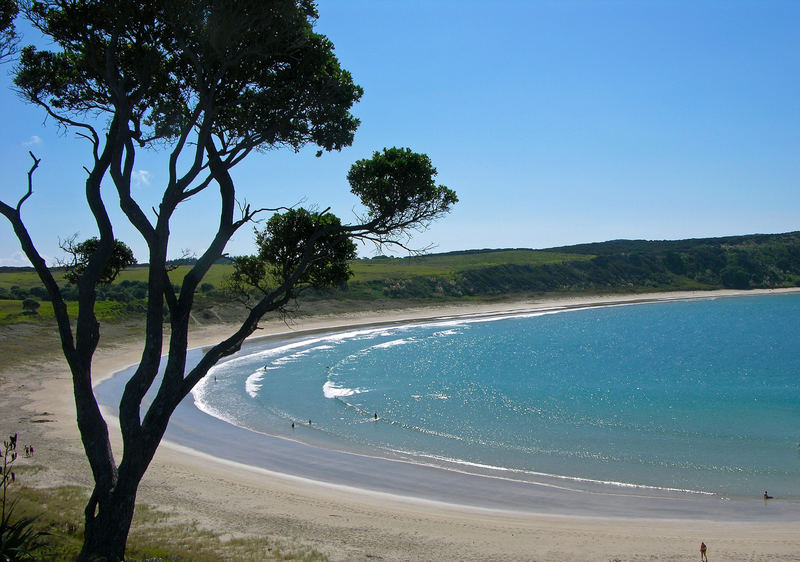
124 291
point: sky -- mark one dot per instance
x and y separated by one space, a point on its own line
556 122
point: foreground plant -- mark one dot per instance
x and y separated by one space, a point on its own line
19 540
213 82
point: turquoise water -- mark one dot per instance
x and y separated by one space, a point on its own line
699 395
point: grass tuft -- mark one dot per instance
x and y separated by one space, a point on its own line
154 536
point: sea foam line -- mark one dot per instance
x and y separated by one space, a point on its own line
580 479
338 337
393 343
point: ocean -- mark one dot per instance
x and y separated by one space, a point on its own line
699 395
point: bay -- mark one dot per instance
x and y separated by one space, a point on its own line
698 395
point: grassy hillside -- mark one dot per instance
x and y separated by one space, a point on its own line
741 262
382 268
20 281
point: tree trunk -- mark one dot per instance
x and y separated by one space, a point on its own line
108 521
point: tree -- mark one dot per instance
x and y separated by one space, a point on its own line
30 306
290 240
8 35
121 257
734 277
211 82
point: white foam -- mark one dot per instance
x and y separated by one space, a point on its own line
331 390
252 384
279 352
199 393
580 479
393 343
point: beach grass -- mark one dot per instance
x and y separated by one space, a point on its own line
155 535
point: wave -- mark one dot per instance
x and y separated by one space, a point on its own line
331 390
251 385
330 340
393 343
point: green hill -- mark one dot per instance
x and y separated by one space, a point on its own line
740 262
622 266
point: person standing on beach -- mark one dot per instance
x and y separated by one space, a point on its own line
703 557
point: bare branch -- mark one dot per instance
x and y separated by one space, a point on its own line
91 135
59 306
68 246
30 180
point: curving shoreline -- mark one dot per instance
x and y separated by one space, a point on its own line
468 487
347 522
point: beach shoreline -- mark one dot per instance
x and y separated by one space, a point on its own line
347 522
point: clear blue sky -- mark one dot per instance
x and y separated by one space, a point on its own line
556 123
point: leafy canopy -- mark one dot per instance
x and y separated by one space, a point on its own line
121 257
163 67
297 248
297 235
398 188
8 35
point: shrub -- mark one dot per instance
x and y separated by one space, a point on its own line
30 306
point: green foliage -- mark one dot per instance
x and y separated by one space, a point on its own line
30 306
121 257
268 78
20 540
8 35
398 188
249 272
734 277
11 311
298 248
8 11
298 235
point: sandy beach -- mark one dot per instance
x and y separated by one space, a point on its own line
347 522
